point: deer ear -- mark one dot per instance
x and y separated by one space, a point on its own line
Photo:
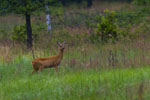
58 43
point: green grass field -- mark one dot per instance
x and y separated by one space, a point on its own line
17 83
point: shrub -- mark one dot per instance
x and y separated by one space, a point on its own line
106 28
20 34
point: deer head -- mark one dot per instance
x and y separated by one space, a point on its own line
61 45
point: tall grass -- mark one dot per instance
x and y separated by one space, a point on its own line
87 72
16 83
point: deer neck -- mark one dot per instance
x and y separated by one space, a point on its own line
60 54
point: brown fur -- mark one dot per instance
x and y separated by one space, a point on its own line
48 62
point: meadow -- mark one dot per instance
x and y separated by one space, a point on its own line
89 70
118 84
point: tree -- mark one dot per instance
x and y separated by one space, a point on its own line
26 8
141 2
48 22
64 2
89 3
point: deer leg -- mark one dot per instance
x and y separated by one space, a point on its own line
33 71
56 68
35 67
40 69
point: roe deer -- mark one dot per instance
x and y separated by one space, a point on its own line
48 62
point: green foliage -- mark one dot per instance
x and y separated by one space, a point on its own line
19 32
56 11
106 29
23 6
128 17
141 2
3 34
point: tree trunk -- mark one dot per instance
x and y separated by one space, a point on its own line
48 19
63 2
89 3
78 1
29 30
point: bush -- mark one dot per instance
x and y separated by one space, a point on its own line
106 29
20 34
